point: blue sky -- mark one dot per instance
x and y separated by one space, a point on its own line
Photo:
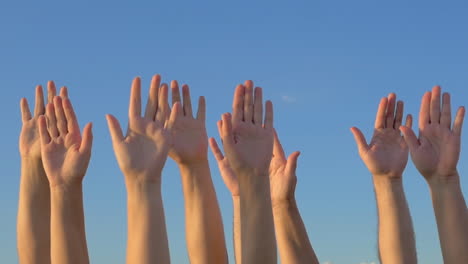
325 65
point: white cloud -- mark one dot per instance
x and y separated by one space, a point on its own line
290 99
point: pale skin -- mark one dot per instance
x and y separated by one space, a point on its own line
247 138
141 155
293 242
386 157
435 154
33 226
203 224
65 156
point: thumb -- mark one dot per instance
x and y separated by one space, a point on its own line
291 164
360 140
410 138
114 129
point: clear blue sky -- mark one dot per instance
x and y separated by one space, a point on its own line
325 65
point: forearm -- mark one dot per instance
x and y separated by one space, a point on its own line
147 236
396 235
68 237
293 243
452 220
237 229
257 227
33 226
204 227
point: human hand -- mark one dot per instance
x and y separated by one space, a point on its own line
65 154
142 153
282 173
29 142
189 145
437 150
227 173
387 153
247 139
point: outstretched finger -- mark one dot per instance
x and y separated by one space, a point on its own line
360 140
238 104
268 123
176 112
72 121
25 112
87 142
380 118
52 120
39 108
164 110
248 102
227 136
390 113
216 150
446 116
134 109
399 115
201 112
187 100
51 92
458 123
435 105
152 103
258 106
175 93
43 132
64 92
425 110
60 115
114 129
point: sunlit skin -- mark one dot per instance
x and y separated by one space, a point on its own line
141 155
386 157
33 225
293 242
435 154
203 223
65 156
247 138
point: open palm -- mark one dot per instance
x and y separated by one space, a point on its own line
65 154
387 152
437 150
142 153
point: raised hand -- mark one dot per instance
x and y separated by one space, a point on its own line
190 140
387 153
142 152
386 157
437 150
435 154
141 155
282 174
248 139
248 143
30 145
33 224
227 173
65 154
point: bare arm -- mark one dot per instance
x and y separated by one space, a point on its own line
203 223
230 179
386 157
293 242
248 142
435 154
65 157
141 155
33 226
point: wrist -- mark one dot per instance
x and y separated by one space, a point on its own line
435 180
281 204
387 185
195 165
